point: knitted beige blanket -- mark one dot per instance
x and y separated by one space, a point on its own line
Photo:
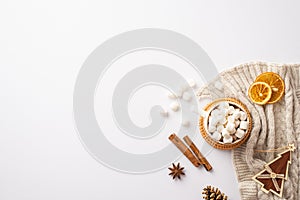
274 125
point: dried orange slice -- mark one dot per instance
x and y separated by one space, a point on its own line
260 93
275 82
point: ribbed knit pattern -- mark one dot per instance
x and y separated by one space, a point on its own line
274 125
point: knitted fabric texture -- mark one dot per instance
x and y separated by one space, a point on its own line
274 125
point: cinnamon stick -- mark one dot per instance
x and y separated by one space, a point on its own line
184 149
197 153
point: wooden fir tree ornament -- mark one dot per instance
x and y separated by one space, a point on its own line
272 177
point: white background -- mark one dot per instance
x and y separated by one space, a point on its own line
42 47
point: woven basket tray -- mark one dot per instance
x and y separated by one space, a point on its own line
203 124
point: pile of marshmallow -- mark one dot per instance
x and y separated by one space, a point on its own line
227 123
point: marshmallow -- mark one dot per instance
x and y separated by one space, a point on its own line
172 96
243 116
212 128
186 96
212 121
192 83
236 114
231 119
244 125
220 120
179 93
227 139
230 110
237 123
230 127
185 123
240 133
210 118
164 113
216 136
222 112
218 117
215 113
220 128
175 106
223 121
225 132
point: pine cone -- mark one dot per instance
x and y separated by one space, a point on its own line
211 193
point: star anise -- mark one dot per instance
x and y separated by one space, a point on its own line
176 171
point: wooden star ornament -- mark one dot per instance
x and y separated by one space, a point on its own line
176 171
272 177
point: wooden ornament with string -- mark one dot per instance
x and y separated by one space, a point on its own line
272 177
